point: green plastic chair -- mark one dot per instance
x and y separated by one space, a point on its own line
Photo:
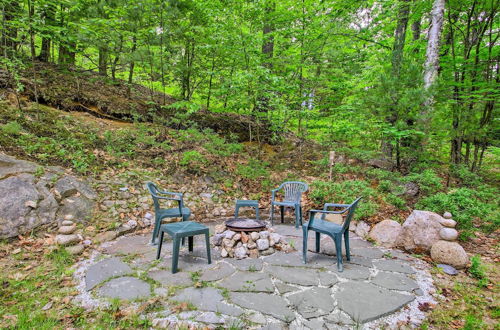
292 191
335 231
178 212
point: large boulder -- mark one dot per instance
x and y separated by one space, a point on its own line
28 200
449 253
419 231
385 233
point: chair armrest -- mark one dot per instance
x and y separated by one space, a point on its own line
176 196
273 193
330 212
327 205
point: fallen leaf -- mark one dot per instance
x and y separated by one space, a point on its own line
47 306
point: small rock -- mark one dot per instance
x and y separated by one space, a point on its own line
352 225
244 237
262 244
75 249
87 242
104 237
228 243
67 239
450 253
240 252
385 233
66 230
220 228
447 215
267 252
275 237
132 223
362 229
264 234
31 204
253 253
450 223
254 235
69 217
229 234
252 245
223 253
447 269
217 239
148 216
448 234
67 223
237 237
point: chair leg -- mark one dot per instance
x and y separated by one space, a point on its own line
304 244
272 214
185 217
297 217
207 242
156 230
346 242
160 243
318 240
257 212
282 208
236 211
338 250
301 215
190 243
175 255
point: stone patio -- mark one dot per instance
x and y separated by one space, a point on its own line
379 288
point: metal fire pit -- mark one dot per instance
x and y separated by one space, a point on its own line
244 224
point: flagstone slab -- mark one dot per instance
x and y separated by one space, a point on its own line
362 261
166 278
394 266
126 288
248 281
366 302
285 288
327 278
352 272
293 259
395 281
186 263
265 303
207 299
105 269
217 272
372 253
137 244
295 275
248 264
313 302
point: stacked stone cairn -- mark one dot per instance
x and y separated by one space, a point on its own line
447 250
67 237
253 244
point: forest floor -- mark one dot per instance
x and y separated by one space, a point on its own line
39 285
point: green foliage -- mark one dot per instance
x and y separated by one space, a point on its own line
466 205
345 192
477 271
11 128
428 181
193 161
472 323
397 201
254 170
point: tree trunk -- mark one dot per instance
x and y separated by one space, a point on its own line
432 59
262 104
9 32
132 64
400 36
103 61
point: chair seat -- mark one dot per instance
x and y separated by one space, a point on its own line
290 204
184 228
324 227
249 203
174 212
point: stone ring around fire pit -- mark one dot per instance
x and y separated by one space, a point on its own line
241 238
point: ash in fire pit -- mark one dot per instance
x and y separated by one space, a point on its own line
244 224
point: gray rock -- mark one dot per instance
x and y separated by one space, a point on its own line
75 249
394 266
10 166
248 281
229 234
210 318
66 230
217 272
285 288
327 279
449 253
265 303
217 239
262 244
450 223
312 302
67 223
240 252
395 281
365 302
264 234
105 236
80 207
127 288
300 276
411 189
166 278
448 234
385 233
104 270
65 240
207 299
447 269
267 252
362 229
447 215
339 317
254 235
420 231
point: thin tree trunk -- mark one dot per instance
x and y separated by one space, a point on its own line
210 81
432 59
103 61
132 65
400 36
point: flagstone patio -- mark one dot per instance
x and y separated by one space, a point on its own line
377 288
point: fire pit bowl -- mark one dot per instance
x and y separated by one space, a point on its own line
245 224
